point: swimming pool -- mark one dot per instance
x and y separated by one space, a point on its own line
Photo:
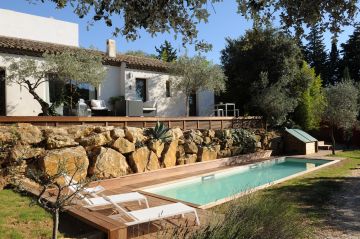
212 189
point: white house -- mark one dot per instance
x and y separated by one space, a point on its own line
23 35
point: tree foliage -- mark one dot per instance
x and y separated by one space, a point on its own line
157 16
193 74
351 54
343 106
140 53
259 51
166 52
312 103
82 66
295 15
316 54
334 65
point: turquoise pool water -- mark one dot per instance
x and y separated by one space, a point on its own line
210 188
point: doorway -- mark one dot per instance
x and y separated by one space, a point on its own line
2 93
141 89
192 105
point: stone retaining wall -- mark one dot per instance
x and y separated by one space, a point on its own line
107 152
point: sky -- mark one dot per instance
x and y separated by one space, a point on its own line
224 22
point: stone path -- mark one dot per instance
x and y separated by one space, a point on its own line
344 220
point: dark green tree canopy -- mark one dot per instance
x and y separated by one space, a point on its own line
260 50
334 65
332 15
156 16
351 54
166 52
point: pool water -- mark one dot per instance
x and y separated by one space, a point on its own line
212 187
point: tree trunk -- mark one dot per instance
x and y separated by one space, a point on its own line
332 140
55 224
187 105
44 105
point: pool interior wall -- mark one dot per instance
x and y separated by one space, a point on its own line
212 188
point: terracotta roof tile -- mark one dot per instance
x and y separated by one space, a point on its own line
20 46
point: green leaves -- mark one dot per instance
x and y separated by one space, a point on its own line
160 132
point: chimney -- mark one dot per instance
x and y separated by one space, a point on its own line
111 48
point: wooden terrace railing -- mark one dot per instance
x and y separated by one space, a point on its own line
171 122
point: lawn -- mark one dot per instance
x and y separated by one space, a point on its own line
20 220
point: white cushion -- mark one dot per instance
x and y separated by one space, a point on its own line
95 103
148 109
149 104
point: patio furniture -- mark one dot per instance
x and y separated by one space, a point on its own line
149 108
322 145
154 213
219 112
134 108
96 201
99 108
82 108
227 107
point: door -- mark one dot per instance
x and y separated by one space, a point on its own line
192 105
141 89
2 93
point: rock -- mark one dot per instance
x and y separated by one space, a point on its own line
207 140
48 131
180 151
73 161
190 148
224 153
80 131
169 154
22 152
206 154
117 133
7 135
60 141
190 158
228 143
142 160
3 182
134 134
123 145
217 147
208 133
223 133
28 134
157 146
236 150
101 129
108 164
177 133
97 139
195 136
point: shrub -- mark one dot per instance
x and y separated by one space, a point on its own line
245 139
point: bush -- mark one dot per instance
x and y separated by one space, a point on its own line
244 139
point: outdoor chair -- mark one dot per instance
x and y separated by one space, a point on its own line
154 213
99 108
96 201
134 108
149 108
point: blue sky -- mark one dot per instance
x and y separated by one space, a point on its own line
224 22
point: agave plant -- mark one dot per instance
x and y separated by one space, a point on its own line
160 132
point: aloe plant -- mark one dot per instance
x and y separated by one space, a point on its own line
160 132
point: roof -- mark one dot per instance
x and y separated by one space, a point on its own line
21 46
301 135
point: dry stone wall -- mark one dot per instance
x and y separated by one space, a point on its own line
107 152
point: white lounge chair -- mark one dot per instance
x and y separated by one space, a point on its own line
96 201
154 213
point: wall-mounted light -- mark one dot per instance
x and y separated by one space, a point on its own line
129 75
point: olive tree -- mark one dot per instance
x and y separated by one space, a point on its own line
29 73
193 74
342 108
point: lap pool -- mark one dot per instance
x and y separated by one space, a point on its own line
214 188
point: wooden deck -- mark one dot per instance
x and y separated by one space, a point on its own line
98 218
143 122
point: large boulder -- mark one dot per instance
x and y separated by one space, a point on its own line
142 160
180 151
206 154
195 136
134 134
108 163
208 133
72 161
177 134
60 141
224 153
48 131
23 152
169 154
157 146
123 145
190 148
190 158
117 133
80 131
28 134
97 139
101 129
7 135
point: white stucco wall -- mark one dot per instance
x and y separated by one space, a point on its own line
21 25
111 86
19 102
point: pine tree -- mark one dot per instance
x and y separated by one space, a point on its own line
351 54
334 65
166 52
316 55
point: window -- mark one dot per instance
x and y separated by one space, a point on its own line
168 89
2 93
141 89
56 88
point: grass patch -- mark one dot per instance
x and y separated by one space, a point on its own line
20 220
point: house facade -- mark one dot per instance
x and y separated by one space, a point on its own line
133 77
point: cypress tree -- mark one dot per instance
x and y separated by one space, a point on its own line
351 54
315 53
166 52
334 65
